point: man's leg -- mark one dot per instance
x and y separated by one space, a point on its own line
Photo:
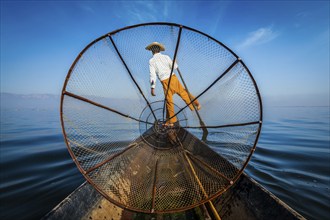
170 108
185 95
169 102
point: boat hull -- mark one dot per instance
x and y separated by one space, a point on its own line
246 200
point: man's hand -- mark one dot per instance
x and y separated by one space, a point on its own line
153 92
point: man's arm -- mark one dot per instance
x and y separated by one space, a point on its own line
153 78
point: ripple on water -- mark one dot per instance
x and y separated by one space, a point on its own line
292 161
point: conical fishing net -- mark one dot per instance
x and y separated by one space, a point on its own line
118 134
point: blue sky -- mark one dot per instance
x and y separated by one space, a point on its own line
285 44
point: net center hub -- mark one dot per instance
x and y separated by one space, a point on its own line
161 127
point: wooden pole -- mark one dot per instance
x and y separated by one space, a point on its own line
214 211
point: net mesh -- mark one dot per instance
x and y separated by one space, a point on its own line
116 130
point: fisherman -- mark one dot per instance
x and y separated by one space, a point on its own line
161 65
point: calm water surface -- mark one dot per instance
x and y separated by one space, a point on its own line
292 160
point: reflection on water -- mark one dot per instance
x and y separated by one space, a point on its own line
292 161
36 169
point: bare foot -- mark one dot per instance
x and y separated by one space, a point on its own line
168 125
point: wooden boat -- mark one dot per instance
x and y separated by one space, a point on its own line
247 199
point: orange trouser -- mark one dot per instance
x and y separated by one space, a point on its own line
176 88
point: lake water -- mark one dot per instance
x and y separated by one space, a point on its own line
292 160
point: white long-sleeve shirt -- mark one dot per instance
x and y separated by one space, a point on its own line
160 65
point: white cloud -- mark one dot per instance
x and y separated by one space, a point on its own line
260 36
166 8
221 7
87 8
139 12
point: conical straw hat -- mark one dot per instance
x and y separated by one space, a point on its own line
161 46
